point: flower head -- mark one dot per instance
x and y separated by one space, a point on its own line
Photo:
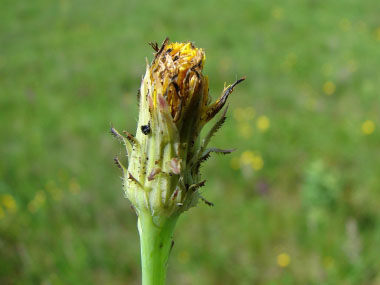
177 72
162 176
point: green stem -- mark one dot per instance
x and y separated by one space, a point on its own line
156 243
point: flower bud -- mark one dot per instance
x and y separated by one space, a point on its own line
164 157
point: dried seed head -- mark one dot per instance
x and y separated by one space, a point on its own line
177 71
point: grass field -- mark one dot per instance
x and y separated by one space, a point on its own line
297 203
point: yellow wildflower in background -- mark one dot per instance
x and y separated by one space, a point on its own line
235 163
263 123
244 114
246 157
368 127
74 186
252 159
8 202
37 202
53 189
329 88
257 162
243 117
377 34
283 260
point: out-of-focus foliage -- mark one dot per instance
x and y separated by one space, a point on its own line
320 194
297 203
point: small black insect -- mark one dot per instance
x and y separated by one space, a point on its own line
146 129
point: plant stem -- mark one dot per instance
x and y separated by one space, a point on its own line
156 243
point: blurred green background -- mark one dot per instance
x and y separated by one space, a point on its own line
297 203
